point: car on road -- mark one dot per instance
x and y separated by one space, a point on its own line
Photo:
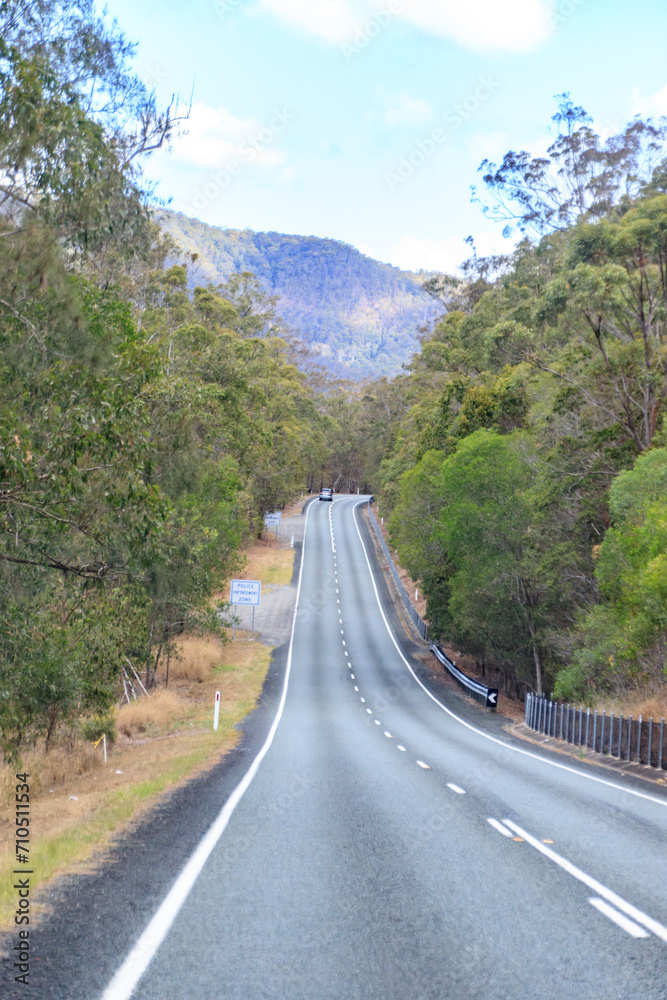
326 494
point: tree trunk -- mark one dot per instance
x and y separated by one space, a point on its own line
538 671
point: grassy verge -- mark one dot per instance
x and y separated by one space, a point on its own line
78 801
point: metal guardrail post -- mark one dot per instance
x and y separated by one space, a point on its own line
581 723
629 736
620 734
611 734
588 722
639 740
602 722
650 741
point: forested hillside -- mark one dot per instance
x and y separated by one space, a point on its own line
362 316
527 481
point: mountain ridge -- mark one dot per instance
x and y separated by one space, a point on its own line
362 316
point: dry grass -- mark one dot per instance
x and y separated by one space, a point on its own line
152 714
49 771
196 658
650 705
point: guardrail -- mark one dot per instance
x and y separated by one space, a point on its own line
638 740
480 692
420 624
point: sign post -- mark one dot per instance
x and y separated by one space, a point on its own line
248 593
272 519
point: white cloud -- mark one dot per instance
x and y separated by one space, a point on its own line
416 253
333 20
655 104
484 25
216 137
480 25
407 110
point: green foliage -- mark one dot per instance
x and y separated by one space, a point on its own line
625 637
548 380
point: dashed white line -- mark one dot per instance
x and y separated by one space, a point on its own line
388 735
629 926
455 788
377 722
399 747
356 688
422 764
362 699
370 711
497 825
642 918
343 640
352 677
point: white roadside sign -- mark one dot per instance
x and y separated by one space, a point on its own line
272 518
246 592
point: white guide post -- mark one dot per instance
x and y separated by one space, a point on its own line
216 710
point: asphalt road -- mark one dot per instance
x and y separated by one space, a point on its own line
384 847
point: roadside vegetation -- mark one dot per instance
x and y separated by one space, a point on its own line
526 483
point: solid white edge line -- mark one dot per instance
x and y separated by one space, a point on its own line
456 788
128 975
480 732
497 825
592 883
629 926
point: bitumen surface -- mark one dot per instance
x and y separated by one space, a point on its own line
393 843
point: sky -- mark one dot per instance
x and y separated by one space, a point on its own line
367 120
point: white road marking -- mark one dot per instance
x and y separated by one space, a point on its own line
388 735
629 926
346 653
480 732
370 711
352 677
455 788
601 890
497 825
342 633
377 722
422 764
400 747
342 640
356 688
362 699
140 957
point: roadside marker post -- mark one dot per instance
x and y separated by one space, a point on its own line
216 711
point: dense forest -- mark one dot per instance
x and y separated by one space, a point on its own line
527 481
149 417
362 317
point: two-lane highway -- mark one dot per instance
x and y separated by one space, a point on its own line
383 849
